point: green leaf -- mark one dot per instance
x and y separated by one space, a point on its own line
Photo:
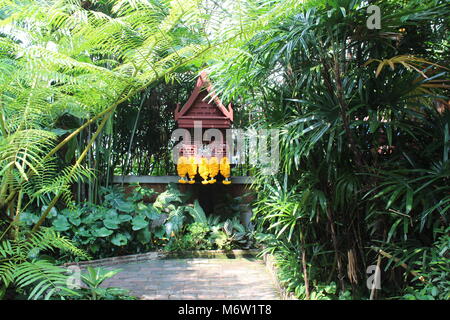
393 228
29 218
94 248
111 224
141 207
152 213
159 232
119 240
112 214
373 126
434 291
102 232
139 222
197 213
74 218
409 200
125 217
144 236
124 206
61 224
176 222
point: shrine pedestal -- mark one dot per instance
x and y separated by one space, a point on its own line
208 195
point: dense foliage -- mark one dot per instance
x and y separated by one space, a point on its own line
364 122
87 91
130 224
24 267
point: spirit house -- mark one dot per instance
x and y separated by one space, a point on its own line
207 155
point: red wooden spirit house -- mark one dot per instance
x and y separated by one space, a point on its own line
203 111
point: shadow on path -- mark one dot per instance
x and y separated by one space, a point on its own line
196 278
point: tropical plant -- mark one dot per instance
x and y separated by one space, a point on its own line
123 224
119 226
23 264
363 117
198 214
86 60
429 268
194 237
93 278
363 123
232 234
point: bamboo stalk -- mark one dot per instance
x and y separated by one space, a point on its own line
133 132
402 264
110 140
89 162
79 186
305 274
336 250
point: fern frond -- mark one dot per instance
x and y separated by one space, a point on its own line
17 267
45 278
6 272
49 239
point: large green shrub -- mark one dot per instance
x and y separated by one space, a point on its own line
125 224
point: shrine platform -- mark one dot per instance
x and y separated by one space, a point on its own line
171 179
208 195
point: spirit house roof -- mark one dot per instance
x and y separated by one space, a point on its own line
210 110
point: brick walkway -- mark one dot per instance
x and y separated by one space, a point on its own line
195 278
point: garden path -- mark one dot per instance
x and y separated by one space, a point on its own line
195 278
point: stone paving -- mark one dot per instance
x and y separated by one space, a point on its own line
196 279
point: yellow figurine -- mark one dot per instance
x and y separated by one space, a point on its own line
203 170
225 170
213 169
182 169
192 169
